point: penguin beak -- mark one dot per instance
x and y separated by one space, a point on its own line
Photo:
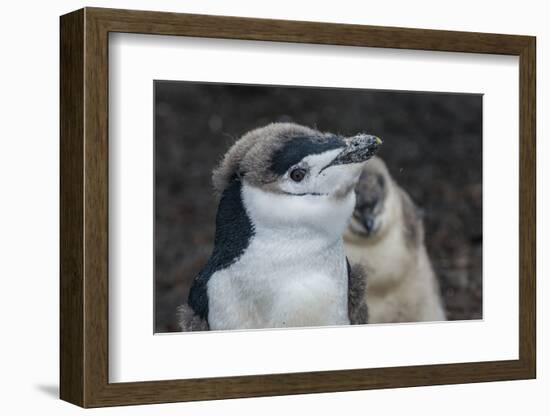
366 223
369 224
358 149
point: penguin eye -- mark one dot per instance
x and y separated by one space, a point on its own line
297 174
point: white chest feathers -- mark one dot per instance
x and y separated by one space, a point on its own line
289 276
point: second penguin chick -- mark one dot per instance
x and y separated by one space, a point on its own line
386 236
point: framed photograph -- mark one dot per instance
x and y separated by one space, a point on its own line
255 207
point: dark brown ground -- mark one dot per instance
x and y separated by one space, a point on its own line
432 145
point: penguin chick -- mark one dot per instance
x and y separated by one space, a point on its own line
287 193
386 236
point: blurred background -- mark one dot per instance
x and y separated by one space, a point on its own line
432 146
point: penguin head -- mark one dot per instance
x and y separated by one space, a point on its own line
382 205
371 207
294 175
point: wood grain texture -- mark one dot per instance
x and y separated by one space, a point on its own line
96 218
72 215
527 208
226 27
84 207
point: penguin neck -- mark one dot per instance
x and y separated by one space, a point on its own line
289 219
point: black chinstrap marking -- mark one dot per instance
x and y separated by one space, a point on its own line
234 231
304 194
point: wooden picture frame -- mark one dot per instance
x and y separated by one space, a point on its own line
84 207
